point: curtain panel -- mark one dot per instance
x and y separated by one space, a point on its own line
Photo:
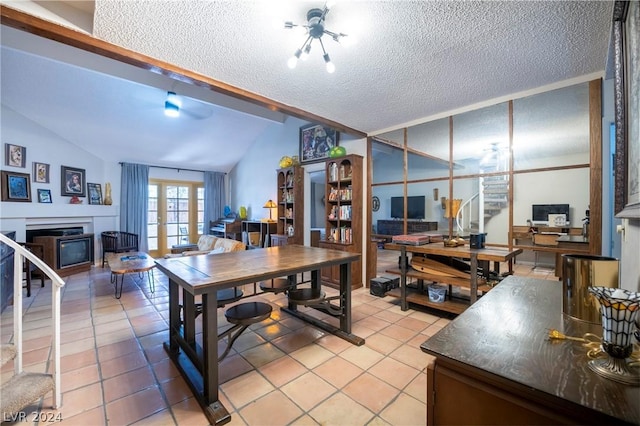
134 195
214 198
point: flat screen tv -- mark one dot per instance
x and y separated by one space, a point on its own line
541 212
415 207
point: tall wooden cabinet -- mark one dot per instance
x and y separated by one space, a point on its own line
291 205
343 215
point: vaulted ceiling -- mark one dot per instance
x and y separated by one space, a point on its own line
411 60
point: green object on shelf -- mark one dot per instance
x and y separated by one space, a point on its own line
337 151
243 212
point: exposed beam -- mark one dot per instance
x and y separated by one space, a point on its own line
34 25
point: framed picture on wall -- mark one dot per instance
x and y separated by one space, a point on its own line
40 172
626 16
44 195
15 155
95 193
316 141
72 182
15 186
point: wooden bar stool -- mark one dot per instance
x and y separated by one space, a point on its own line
242 316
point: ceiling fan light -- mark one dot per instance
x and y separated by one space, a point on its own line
331 68
293 61
315 27
305 52
174 99
171 110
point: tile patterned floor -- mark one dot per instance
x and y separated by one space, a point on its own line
280 372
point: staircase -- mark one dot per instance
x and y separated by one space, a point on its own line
24 388
492 196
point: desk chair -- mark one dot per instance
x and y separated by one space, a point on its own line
543 240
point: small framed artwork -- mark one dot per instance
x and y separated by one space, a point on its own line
40 172
316 141
15 186
95 193
44 195
15 155
72 182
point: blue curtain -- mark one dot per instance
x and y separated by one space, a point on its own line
214 198
134 194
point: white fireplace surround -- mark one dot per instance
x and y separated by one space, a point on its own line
96 222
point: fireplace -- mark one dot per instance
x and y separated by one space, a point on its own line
66 250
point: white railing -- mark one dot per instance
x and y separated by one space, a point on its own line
465 215
57 284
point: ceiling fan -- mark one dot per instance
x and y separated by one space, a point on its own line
174 105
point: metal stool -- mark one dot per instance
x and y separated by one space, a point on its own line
276 285
227 295
243 315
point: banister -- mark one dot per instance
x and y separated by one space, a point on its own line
55 278
20 253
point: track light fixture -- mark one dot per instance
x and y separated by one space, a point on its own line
172 105
314 30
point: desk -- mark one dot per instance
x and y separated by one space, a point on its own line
475 256
205 275
129 263
256 233
495 361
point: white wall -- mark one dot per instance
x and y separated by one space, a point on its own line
43 146
253 180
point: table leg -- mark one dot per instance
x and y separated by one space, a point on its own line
200 374
345 297
403 279
119 294
152 281
188 317
345 305
474 278
174 317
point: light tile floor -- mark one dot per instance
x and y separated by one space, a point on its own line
280 372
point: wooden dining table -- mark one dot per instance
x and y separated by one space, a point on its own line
204 275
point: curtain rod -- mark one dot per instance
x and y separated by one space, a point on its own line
171 168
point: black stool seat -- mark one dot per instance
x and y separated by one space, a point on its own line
248 313
276 285
229 295
306 296
242 315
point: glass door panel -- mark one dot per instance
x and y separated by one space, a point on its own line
177 211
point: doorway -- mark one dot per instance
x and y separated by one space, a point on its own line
317 225
175 215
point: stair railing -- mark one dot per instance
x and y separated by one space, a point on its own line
57 283
465 215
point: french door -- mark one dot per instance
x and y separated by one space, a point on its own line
175 215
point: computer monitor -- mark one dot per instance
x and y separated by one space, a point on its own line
540 213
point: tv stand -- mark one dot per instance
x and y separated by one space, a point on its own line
396 226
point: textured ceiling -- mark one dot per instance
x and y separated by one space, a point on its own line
411 60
